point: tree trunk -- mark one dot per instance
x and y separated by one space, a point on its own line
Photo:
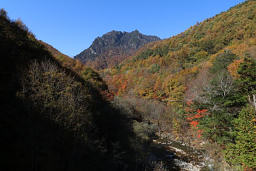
252 101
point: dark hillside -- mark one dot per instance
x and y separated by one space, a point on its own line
52 118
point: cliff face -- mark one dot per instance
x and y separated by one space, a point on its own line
112 48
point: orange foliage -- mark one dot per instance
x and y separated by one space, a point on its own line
124 85
232 68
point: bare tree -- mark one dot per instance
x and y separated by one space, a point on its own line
222 86
252 100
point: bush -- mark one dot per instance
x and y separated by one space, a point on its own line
243 150
56 94
154 68
222 61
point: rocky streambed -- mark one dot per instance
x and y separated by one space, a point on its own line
178 156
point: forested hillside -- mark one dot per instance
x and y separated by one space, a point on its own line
206 76
53 112
186 53
75 65
184 103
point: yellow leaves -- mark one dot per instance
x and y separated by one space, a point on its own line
174 86
176 127
158 84
252 41
225 32
202 53
240 49
233 67
146 93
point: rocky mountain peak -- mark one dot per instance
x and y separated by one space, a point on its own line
113 47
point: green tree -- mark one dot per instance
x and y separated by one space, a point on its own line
3 13
222 98
243 151
247 80
222 61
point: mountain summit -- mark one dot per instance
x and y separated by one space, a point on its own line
113 47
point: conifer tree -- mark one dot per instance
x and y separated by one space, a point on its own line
247 81
243 151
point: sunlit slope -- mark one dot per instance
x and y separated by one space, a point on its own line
166 69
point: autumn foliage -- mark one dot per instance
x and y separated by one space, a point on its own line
193 117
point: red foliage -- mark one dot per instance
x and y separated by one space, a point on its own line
194 123
199 133
124 85
193 117
107 95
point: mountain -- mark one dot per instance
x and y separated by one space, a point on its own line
159 66
206 76
186 101
112 48
53 113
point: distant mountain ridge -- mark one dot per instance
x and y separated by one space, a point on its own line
164 69
113 47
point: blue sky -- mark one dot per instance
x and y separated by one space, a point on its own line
72 25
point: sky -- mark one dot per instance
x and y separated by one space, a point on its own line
71 25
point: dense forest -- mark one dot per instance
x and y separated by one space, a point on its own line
57 114
195 90
206 76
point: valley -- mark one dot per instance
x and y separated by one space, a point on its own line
132 101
